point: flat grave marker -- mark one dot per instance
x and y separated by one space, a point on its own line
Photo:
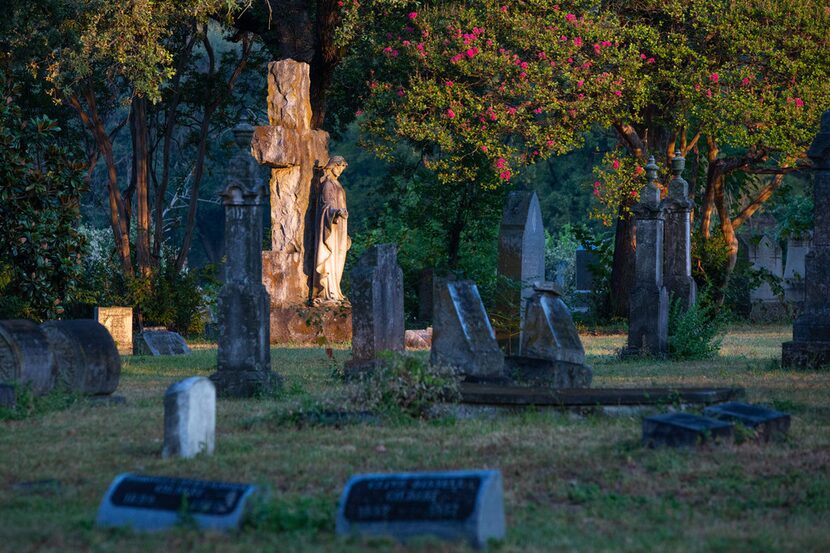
684 430
767 422
454 506
152 503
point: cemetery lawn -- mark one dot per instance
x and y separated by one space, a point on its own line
573 482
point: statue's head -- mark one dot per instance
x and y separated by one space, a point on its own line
336 161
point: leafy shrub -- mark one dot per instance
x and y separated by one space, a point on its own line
403 385
695 333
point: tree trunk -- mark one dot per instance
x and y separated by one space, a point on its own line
708 207
141 157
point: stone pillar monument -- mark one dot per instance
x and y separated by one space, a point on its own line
678 238
521 259
810 347
648 319
296 153
244 358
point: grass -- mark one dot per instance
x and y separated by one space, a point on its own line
572 483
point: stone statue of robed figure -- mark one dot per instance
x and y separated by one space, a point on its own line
332 239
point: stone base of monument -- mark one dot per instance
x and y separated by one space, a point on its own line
231 383
542 372
306 324
805 355
767 423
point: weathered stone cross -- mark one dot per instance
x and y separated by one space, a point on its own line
292 148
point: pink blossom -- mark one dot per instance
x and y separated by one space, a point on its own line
596 192
409 29
643 56
501 162
406 43
650 60
420 47
412 15
505 175
484 148
523 75
618 92
745 81
537 110
511 110
457 58
401 92
578 41
569 17
504 8
563 38
580 82
596 184
541 55
597 48
450 113
340 3
387 50
799 102
606 43
633 194
449 83
489 42
714 77
471 52
708 92
615 164
549 143
570 60
523 65
358 113
478 31
493 115
638 170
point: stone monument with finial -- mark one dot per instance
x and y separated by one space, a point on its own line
810 346
648 319
244 357
678 237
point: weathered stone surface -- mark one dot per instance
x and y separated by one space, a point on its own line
455 506
331 235
86 356
521 252
549 331
677 273
810 347
684 430
768 423
462 336
377 304
159 341
794 271
189 418
585 259
530 371
648 319
119 322
8 398
311 324
25 356
418 339
766 254
152 503
244 356
289 100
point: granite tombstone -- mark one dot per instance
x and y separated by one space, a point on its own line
157 341
119 322
684 430
767 422
189 418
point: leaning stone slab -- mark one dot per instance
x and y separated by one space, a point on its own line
119 322
160 341
189 418
462 336
25 356
684 430
767 422
549 331
454 506
86 356
152 503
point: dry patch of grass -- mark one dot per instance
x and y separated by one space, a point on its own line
572 483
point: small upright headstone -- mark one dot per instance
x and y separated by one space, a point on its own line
377 306
454 506
767 422
8 398
585 260
119 322
189 418
462 336
678 238
810 347
768 256
244 356
648 319
684 430
152 503
794 269
160 341
521 251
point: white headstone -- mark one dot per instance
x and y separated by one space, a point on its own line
119 322
189 418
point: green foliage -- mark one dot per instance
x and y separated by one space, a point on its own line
405 386
302 514
560 259
29 405
695 333
603 248
41 183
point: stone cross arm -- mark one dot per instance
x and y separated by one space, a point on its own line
280 146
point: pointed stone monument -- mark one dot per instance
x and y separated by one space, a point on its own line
244 356
648 319
810 347
296 153
678 238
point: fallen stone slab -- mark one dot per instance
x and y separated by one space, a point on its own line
494 394
454 506
685 430
152 503
159 341
768 423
